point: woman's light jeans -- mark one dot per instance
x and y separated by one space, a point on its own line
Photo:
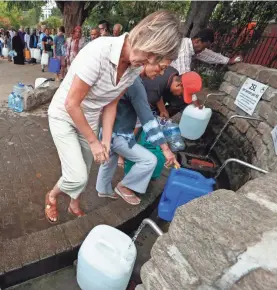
75 156
140 174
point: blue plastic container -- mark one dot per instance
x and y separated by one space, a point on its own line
18 104
11 101
54 65
183 185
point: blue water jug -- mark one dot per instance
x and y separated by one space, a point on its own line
11 101
18 104
173 136
54 65
183 185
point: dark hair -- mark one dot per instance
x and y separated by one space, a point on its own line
205 35
62 29
105 23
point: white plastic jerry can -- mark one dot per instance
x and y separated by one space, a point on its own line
5 51
105 260
194 122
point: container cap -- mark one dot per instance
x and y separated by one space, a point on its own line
192 84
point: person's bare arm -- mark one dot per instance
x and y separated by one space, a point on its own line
78 91
108 117
162 109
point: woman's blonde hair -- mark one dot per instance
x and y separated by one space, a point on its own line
158 33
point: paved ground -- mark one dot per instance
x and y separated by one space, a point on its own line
10 74
29 168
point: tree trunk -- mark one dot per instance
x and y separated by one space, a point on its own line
198 16
74 13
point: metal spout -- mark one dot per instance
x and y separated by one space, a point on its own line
242 163
153 225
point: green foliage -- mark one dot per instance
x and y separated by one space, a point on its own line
129 13
53 22
234 35
9 17
56 12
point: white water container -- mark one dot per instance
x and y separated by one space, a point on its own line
37 55
105 260
5 51
44 58
32 51
194 122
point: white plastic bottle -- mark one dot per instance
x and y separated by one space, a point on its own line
105 260
194 122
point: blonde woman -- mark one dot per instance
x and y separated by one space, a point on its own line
96 80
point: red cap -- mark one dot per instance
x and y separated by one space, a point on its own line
192 84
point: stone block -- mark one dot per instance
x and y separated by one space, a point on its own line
262 152
272 118
235 67
274 102
223 110
11 255
228 75
250 70
226 88
242 125
267 138
257 143
234 92
167 256
72 233
265 74
269 94
229 102
39 96
251 134
264 128
273 81
264 109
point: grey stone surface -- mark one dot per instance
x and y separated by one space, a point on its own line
250 70
39 96
269 94
273 80
242 125
265 74
213 241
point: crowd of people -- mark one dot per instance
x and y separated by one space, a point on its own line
113 84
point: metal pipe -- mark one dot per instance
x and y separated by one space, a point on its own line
153 225
240 162
213 94
224 127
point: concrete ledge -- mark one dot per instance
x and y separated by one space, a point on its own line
39 96
45 251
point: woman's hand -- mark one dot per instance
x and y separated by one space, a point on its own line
99 151
164 114
170 158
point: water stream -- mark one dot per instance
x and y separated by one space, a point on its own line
142 225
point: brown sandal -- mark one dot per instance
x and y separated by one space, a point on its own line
78 214
51 210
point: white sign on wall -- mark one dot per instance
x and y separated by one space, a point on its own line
274 137
249 95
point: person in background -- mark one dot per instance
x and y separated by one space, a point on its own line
59 51
33 39
8 42
117 29
41 33
133 105
104 27
2 41
18 46
73 45
196 47
47 42
95 82
27 38
21 34
53 35
94 33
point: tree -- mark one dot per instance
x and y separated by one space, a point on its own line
52 22
56 12
75 12
198 16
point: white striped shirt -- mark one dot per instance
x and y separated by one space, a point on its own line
96 64
186 52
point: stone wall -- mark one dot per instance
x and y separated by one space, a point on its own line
250 141
223 241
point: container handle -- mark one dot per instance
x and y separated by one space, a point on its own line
108 245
